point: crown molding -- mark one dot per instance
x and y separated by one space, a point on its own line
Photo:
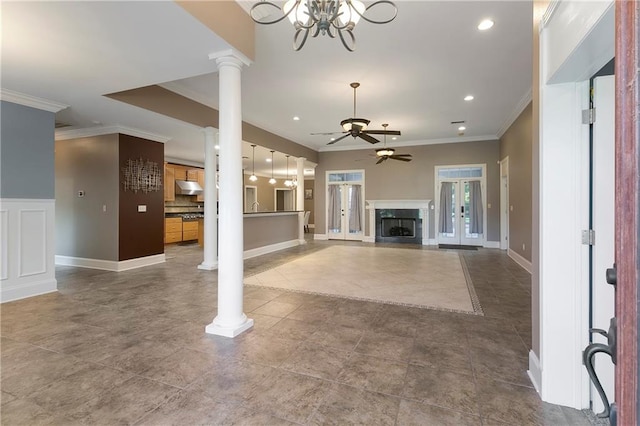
548 14
88 132
524 101
415 143
31 101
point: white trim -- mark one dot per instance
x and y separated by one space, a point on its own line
87 132
110 265
520 260
504 203
548 14
515 113
230 53
421 205
492 244
432 242
31 101
30 289
320 237
259 251
4 244
229 331
535 371
482 138
369 239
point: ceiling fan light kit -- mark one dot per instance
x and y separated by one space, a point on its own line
321 17
357 127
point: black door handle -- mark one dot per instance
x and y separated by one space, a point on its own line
587 358
612 275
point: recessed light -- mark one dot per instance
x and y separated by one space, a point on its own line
468 98
296 118
485 24
217 147
461 128
268 160
394 138
333 139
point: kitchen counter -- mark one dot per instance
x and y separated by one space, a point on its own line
265 231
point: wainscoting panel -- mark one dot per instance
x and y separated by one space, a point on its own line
33 242
28 250
4 244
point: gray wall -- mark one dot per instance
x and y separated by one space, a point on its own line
395 180
26 152
83 229
516 144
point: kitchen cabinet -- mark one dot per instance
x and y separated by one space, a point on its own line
200 197
192 174
189 230
169 183
180 172
172 230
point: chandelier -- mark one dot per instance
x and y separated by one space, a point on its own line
326 17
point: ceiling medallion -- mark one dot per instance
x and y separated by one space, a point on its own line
326 17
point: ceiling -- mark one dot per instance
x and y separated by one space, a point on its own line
414 72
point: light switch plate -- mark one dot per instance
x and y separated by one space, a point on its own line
142 208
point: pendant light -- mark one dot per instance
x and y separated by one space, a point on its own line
272 181
288 182
253 176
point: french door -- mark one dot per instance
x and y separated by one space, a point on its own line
461 206
345 206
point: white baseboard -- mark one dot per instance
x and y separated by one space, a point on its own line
535 371
30 289
110 265
320 237
520 260
430 242
369 239
248 254
492 244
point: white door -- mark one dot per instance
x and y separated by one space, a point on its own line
603 223
504 204
461 212
345 213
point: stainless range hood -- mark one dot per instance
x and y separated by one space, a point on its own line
188 187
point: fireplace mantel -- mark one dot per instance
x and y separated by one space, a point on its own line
422 205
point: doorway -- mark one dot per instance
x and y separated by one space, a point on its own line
345 205
251 198
284 198
461 204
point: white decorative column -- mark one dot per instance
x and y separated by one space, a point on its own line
300 198
231 320
210 261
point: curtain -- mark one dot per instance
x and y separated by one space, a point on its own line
446 199
334 208
476 214
355 210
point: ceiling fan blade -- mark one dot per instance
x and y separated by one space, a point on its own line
381 160
339 139
396 157
368 138
383 132
402 155
326 133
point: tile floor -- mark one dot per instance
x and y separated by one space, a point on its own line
130 348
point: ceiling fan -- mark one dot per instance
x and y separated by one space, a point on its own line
357 127
385 153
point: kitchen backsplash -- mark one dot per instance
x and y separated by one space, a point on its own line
183 204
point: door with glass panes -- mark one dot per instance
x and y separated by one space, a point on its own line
345 205
461 204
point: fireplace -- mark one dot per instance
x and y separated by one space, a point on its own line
398 226
398 221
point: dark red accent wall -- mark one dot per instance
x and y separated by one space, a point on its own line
140 234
